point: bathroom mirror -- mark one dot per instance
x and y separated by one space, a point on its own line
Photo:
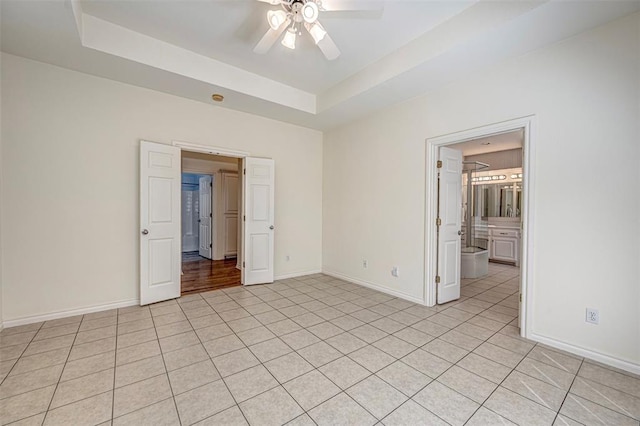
499 199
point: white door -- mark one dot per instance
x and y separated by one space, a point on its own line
205 217
450 214
159 222
258 212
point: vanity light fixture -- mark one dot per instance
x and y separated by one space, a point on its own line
516 176
488 178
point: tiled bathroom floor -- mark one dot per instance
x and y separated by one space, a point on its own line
308 350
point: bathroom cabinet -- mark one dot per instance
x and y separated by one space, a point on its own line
504 244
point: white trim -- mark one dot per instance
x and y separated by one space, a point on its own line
373 286
432 144
188 146
297 274
587 353
71 312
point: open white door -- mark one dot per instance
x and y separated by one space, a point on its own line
450 217
257 247
159 222
205 217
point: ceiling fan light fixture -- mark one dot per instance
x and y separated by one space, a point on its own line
289 39
317 32
276 18
310 12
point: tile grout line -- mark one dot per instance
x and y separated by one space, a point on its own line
53 395
20 356
212 363
115 368
500 385
568 392
164 363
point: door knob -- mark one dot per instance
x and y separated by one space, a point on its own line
271 227
459 232
145 231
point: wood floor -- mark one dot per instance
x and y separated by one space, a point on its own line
200 274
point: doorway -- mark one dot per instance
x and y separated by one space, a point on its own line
210 196
495 222
160 217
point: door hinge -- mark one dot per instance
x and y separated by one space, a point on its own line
520 297
244 218
439 164
243 264
210 214
211 184
437 279
210 246
438 221
244 171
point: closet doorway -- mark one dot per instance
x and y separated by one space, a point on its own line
210 196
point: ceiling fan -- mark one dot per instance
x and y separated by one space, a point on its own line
295 14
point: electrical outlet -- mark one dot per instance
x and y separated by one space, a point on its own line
365 264
395 271
593 316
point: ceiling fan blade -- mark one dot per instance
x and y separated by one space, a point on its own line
269 38
352 9
329 48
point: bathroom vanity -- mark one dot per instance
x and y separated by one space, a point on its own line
504 242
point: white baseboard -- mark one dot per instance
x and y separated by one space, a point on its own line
374 286
297 274
587 353
69 313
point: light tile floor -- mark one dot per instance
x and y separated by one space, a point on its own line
309 350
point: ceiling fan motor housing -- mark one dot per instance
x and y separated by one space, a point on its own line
303 10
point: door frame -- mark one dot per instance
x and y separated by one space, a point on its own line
226 152
528 124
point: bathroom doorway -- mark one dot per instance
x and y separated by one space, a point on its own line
210 195
490 214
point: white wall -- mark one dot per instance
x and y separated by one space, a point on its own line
71 243
585 93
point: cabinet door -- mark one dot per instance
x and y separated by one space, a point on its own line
504 248
230 194
231 235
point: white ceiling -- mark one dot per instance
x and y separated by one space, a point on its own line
493 143
228 31
193 48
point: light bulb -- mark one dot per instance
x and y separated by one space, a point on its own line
310 12
289 39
